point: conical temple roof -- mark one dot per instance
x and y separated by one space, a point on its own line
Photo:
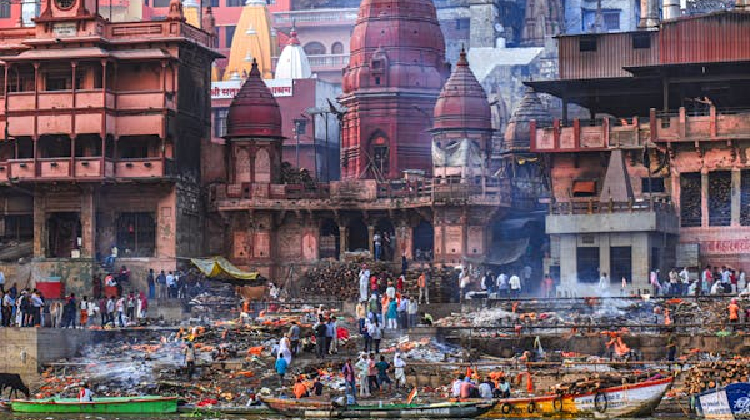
254 111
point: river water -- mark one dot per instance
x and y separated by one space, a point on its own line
11 416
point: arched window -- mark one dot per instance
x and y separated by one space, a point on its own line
315 48
337 48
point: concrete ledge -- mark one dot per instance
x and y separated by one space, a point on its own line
612 222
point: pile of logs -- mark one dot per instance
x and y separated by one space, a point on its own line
598 381
716 374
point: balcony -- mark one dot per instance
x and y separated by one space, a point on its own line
369 193
83 168
86 99
322 62
592 216
601 134
22 169
317 18
140 168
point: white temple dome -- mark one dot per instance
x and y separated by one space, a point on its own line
293 62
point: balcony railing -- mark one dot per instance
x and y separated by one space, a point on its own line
681 126
593 205
322 62
86 99
489 191
81 168
317 17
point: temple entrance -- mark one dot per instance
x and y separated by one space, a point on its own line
330 238
64 233
424 241
358 238
587 263
387 239
136 234
379 156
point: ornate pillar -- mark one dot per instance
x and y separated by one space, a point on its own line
342 242
736 196
704 197
371 239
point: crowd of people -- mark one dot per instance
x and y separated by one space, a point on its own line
711 280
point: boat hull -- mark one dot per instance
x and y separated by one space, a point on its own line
138 405
726 403
630 400
320 409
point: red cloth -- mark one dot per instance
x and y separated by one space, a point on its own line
207 401
342 333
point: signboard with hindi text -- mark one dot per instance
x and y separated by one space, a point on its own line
228 89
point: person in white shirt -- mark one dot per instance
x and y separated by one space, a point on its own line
363 278
463 283
527 277
2 282
399 366
604 282
485 389
170 285
390 291
483 283
502 284
456 388
515 285
685 279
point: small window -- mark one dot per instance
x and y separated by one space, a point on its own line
4 9
611 20
220 122
217 36
654 185
641 41
229 35
376 64
145 2
377 80
161 3
587 44
235 3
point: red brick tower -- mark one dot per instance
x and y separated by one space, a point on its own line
393 79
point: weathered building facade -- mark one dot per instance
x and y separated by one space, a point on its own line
661 167
272 226
103 125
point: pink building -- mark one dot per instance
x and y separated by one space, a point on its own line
103 125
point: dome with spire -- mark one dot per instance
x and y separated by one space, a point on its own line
293 62
252 38
462 103
518 131
254 112
396 44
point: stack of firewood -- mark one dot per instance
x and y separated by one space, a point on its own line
716 374
598 381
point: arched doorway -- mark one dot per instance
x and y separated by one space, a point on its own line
358 238
379 159
337 48
424 241
330 246
387 232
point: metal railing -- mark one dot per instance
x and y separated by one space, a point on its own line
302 17
593 206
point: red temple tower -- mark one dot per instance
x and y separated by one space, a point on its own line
395 73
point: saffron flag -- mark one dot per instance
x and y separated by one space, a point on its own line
411 396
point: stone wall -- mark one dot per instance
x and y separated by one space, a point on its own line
24 350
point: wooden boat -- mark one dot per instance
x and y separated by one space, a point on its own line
307 408
134 405
629 400
725 403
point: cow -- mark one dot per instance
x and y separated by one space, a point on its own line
14 382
